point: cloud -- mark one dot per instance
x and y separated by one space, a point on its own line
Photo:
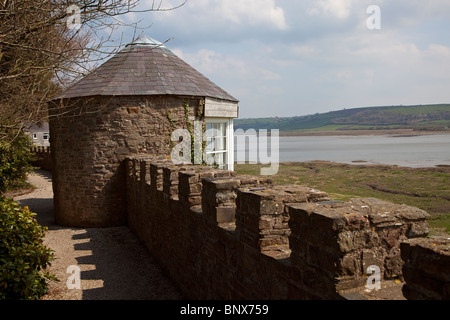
244 76
278 57
304 50
250 12
340 9
221 20
219 65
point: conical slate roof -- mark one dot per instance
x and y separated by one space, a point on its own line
145 67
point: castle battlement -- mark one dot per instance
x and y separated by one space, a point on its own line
224 236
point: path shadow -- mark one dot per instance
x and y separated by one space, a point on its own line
40 205
122 266
114 264
47 175
45 214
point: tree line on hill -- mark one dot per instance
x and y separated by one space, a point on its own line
423 117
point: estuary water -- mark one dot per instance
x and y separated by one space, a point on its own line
407 151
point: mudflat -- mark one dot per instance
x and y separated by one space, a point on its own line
425 188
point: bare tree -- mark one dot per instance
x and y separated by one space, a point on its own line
45 45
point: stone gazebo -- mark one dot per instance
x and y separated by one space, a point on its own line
129 105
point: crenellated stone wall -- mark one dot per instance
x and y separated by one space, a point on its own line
426 269
223 236
43 158
343 239
262 218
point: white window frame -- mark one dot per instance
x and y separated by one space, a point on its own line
46 136
229 130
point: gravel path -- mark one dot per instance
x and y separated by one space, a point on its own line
114 265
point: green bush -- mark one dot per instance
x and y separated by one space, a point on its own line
15 158
23 256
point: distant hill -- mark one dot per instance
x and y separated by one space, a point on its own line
418 117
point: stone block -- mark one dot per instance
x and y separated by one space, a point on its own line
367 230
190 184
351 240
156 173
382 213
255 181
371 258
418 229
430 255
316 223
261 213
217 184
218 198
225 214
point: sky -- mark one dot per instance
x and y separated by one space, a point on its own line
283 58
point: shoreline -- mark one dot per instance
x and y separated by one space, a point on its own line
395 132
364 163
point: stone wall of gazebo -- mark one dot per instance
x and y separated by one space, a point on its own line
91 137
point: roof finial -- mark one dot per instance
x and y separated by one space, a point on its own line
146 41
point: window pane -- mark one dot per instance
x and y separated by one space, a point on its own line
216 144
209 146
217 160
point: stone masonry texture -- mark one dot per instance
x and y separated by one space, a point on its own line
223 236
92 136
344 239
426 269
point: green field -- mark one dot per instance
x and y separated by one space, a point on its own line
425 188
422 109
419 117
